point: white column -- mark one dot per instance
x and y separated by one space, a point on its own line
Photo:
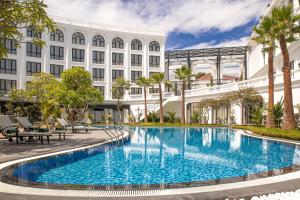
210 115
127 65
88 53
162 60
146 59
108 69
22 64
46 54
68 44
237 113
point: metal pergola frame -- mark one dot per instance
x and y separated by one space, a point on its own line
211 54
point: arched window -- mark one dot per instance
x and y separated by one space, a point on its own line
78 38
32 32
58 36
136 45
118 43
98 41
154 46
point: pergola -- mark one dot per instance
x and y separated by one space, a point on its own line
216 55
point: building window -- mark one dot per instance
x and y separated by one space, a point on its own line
56 70
152 73
136 60
10 45
153 90
98 41
136 91
57 36
7 85
117 43
101 89
98 57
78 38
116 74
32 68
56 53
8 66
117 58
135 75
33 50
154 46
31 32
136 45
78 55
154 61
98 74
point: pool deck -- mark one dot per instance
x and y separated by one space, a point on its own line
12 151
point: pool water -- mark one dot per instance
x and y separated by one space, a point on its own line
164 156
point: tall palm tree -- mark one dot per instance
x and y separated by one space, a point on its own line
118 90
158 78
265 36
145 83
183 74
287 30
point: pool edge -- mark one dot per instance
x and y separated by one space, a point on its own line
13 189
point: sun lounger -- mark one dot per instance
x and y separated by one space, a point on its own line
67 126
11 130
28 126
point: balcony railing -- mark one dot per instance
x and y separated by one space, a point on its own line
254 83
221 89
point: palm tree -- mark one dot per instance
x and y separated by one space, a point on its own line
287 31
265 36
183 74
118 90
145 83
158 78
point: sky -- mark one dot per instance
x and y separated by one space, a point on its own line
187 23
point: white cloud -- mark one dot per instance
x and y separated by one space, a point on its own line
227 43
190 16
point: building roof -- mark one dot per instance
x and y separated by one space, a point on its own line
205 77
208 77
229 78
88 24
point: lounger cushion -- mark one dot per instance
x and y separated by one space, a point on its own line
40 130
11 130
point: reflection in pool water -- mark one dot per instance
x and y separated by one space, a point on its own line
165 156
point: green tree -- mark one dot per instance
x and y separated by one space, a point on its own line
145 83
287 30
278 113
266 36
172 116
119 88
159 79
42 90
19 98
77 94
16 15
183 74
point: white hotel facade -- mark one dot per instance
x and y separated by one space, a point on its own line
108 52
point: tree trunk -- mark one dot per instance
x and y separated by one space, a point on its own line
270 117
161 109
289 121
183 103
145 104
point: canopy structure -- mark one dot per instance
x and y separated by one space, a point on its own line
217 55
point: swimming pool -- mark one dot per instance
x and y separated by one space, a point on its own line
162 158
